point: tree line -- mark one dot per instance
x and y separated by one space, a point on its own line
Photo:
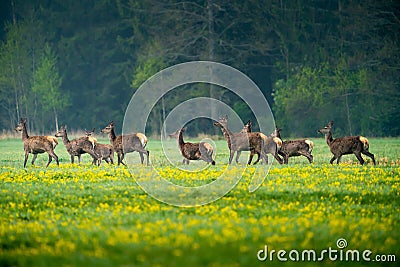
79 62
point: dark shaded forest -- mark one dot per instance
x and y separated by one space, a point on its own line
79 62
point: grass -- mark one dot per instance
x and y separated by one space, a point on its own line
83 215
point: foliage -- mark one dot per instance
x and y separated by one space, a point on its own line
103 48
46 87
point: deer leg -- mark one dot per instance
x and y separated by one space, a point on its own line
26 158
148 157
307 155
332 159
360 159
369 154
338 159
122 158
72 159
79 158
141 157
231 153
53 155
34 158
50 159
237 156
258 158
265 158
279 159
251 157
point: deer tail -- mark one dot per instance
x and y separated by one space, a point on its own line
142 138
310 145
278 142
365 142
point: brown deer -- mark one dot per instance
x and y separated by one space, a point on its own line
76 147
193 151
127 143
294 148
238 142
36 144
346 145
271 144
103 151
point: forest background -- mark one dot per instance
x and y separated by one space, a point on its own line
79 62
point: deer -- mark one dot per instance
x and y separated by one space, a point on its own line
36 144
240 141
346 145
103 151
91 139
76 147
294 148
272 145
193 151
127 143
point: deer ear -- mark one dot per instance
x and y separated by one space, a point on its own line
183 129
93 130
226 116
330 123
112 123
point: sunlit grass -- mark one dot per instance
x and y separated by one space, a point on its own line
98 216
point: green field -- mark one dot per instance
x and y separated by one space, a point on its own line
83 215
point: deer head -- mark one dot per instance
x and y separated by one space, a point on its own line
21 125
62 131
327 129
89 133
177 132
108 128
222 122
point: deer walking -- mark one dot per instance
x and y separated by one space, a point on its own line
193 151
271 144
103 151
294 148
78 146
238 142
346 145
36 144
127 143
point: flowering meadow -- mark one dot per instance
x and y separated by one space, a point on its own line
84 215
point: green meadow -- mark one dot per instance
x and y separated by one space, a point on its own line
85 215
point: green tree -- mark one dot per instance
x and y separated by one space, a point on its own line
46 88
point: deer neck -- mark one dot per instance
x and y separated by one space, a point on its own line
24 132
227 134
65 138
112 136
181 143
329 138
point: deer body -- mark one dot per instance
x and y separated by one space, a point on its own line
294 148
127 143
346 145
103 151
36 144
193 151
241 141
76 147
271 144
